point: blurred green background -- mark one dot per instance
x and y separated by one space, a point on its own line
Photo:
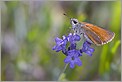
30 27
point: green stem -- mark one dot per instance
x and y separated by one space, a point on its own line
60 75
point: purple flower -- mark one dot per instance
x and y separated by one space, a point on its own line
73 58
87 49
60 44
72 38
72 54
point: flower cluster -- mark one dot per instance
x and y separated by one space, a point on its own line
72 53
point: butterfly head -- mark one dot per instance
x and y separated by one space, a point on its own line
74 22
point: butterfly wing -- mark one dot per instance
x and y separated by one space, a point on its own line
97 35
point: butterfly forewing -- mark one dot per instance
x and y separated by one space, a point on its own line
97 35
93 37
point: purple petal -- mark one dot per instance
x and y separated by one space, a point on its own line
87 49
60 44
91 49
54 48
88 53
79 53
67 59
88 43
72 64
58 40
72 38
73 46
78 61
64 42
58 48
70 53
64 51
77 37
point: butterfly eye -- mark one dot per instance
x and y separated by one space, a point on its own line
75 22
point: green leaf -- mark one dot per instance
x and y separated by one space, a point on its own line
115 47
